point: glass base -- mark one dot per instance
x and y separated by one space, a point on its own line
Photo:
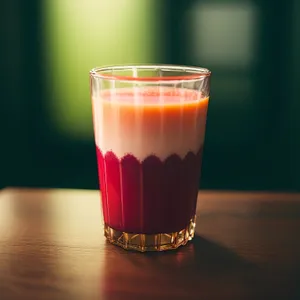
150 242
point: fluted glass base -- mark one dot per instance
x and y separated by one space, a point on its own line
150 242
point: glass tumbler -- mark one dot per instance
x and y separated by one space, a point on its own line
149 127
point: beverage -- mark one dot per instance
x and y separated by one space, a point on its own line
149 143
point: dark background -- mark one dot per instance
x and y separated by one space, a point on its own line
252 48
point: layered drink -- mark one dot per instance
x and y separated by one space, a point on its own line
149 142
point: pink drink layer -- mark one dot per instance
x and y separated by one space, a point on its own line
149 150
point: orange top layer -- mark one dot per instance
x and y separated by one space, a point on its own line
154 120
155 98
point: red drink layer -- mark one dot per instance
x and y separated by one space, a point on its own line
149 150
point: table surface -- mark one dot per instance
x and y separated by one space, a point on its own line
247 246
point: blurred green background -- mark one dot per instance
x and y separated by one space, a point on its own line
251 46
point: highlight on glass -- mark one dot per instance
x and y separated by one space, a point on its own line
149 127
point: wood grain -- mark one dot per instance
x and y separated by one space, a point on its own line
52 247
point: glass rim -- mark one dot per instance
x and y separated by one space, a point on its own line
193 73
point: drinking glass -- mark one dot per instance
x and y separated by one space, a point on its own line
149 127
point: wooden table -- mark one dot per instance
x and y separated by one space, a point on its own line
52 247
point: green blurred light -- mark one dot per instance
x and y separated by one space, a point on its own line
81 35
